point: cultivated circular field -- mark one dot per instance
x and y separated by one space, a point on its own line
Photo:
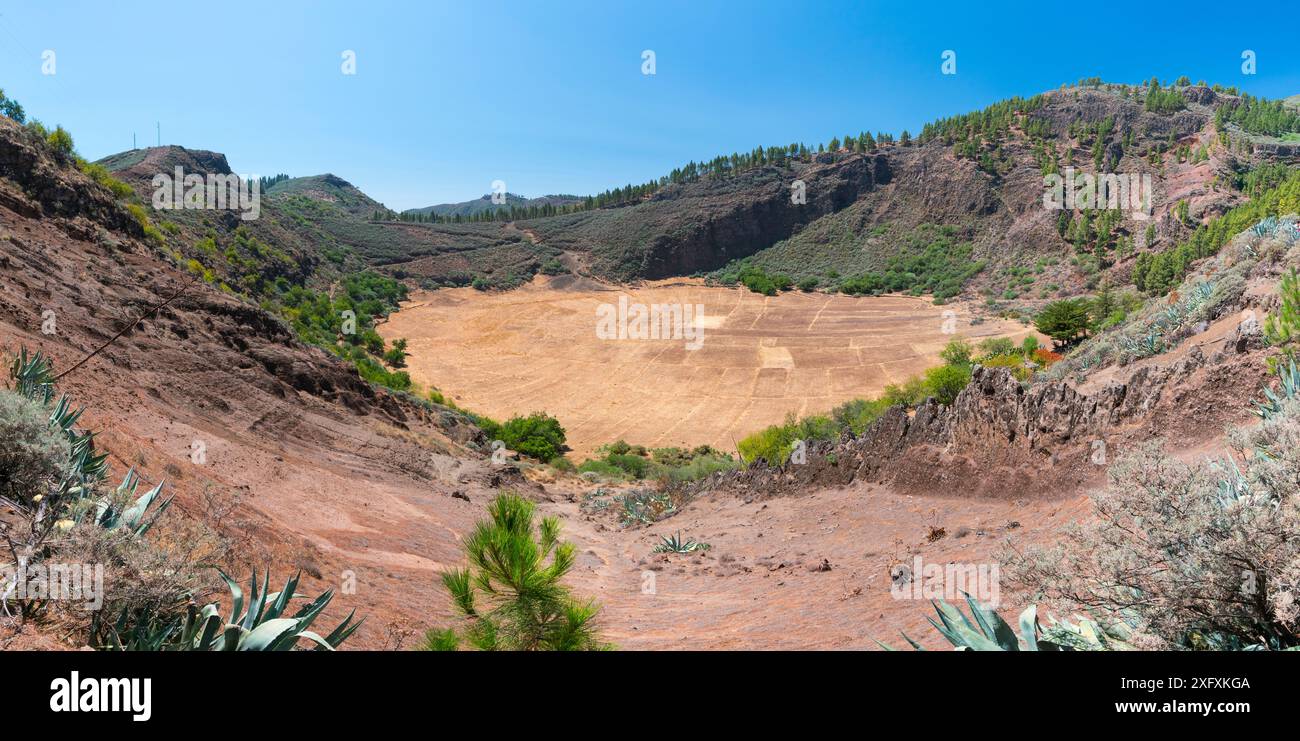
554 346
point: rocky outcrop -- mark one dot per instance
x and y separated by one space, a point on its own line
138 166
36 182
1000 438
740 223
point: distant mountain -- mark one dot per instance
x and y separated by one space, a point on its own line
479 205
143 164
329 189
312 229
957 209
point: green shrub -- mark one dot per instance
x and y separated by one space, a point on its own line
773 444
682 456
930 262
538 435
372 371
60 141
103 177
957 352
490 427
1015 363
912 392
34 456
858 414
946 381
11 109
396 356
602 468
994 346
621 461
698 467
633 465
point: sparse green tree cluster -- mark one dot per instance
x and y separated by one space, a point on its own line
1158 272
1163 100
1258 115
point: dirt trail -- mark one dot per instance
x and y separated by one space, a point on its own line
761 585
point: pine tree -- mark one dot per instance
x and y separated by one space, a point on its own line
1283 328
526 608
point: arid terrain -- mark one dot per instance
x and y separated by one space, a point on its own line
211 355
760 358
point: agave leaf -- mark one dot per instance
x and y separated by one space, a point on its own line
915 645
993 626
236 598
257 603
210 627
1029 627
309 612
321 643
266 636
231 638
959 630
144 527
280 600
952 616
344 629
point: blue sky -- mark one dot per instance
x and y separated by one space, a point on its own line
550 98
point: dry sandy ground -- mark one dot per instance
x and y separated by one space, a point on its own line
763 585
761 358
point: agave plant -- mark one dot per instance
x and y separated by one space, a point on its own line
260 627
1265 227
675 544
1144 345
643 506
1200 293
1172 316
112 513
985 630
1234 487
1288 389
33 378
1290 231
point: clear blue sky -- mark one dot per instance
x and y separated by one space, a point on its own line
549 97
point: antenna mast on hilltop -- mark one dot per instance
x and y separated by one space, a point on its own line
159 125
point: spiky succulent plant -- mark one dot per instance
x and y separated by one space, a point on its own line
675 544
259 625
985 630
1288 389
